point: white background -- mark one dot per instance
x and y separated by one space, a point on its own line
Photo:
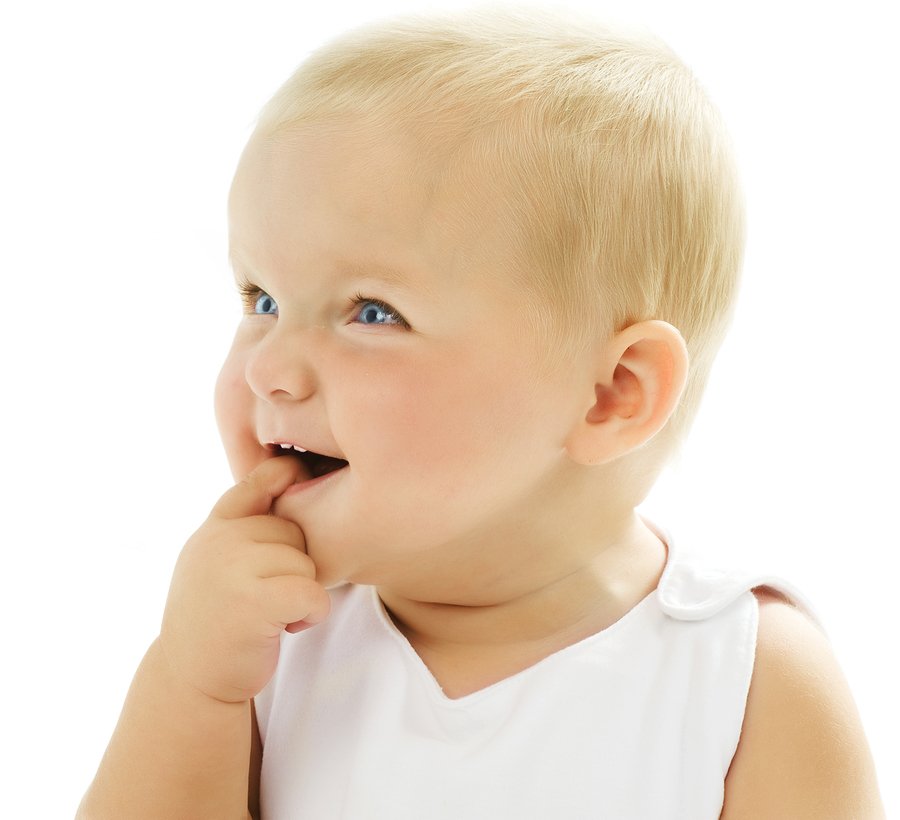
121 125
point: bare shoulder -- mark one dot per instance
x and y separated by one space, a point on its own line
803 752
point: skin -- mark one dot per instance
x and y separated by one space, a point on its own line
477 498
803 753
456 391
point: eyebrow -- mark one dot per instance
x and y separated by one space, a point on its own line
235 260
344 269
373 270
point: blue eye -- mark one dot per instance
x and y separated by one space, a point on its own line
373 312
265 305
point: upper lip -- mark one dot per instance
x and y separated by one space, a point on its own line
276 444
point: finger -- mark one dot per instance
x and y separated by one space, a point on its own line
290 599
274 530
272 560
255 493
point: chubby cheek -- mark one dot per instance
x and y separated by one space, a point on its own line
234 416
439 429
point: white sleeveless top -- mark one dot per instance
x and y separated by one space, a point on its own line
638 721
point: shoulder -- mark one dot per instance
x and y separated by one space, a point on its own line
802 752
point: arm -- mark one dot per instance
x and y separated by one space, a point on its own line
255 764
176 752
802 753
183 746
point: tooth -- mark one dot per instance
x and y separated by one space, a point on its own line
285 446
299 449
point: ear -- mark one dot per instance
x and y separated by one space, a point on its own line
639 377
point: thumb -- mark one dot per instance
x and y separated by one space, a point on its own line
255 493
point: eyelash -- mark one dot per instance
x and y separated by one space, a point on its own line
249 294
359 299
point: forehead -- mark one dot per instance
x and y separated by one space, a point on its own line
327 187
362 195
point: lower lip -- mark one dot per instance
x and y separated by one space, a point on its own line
309 484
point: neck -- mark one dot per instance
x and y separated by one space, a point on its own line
469 647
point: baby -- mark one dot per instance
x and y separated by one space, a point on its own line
486 262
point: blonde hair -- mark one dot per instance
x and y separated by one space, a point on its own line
602 147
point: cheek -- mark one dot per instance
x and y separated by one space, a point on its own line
446 422
234 415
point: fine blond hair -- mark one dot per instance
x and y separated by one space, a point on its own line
601 145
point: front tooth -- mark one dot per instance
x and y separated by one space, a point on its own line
285 446
299 449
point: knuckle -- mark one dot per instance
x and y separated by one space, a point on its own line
305 566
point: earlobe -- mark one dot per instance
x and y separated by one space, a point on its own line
639 379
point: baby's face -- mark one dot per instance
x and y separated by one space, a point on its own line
380 329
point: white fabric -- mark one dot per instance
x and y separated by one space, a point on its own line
638 721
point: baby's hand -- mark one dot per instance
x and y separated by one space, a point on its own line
241 580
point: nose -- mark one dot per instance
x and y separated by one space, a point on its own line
279 367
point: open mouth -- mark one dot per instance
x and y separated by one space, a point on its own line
316 464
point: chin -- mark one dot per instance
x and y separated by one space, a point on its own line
330 570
